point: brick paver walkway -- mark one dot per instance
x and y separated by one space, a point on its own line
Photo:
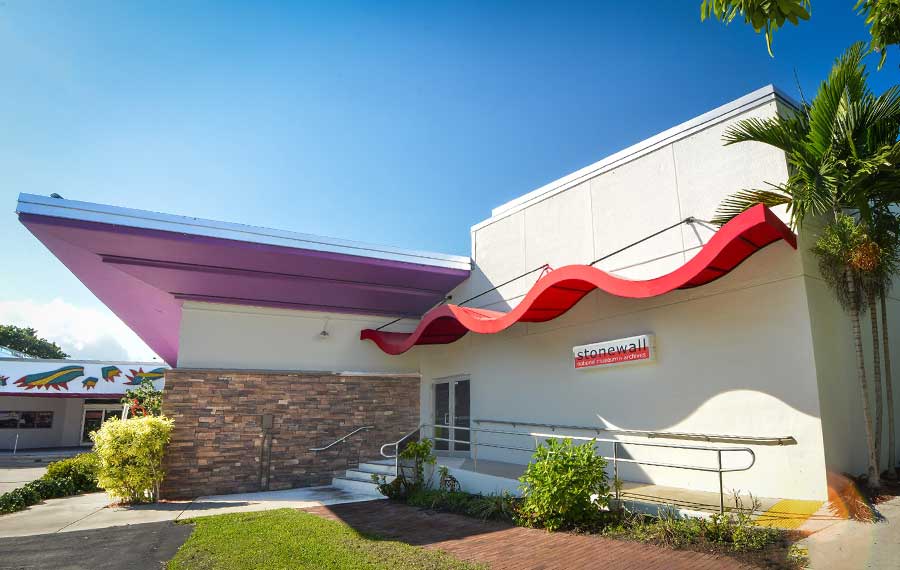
507 547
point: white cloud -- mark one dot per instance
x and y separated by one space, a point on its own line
82 332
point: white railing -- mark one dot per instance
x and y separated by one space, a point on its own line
616 458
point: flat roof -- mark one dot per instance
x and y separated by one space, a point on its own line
116 215
719 114
145 265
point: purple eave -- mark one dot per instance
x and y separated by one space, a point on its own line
144 275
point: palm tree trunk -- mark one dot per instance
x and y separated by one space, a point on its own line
876 376
889 390
873 480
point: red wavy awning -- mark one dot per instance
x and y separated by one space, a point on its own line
559 290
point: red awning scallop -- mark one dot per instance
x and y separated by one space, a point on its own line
559 290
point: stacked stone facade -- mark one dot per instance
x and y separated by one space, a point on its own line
219 446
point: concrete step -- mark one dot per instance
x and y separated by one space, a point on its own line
377 467
360 475
356 486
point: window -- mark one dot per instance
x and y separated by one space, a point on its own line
25 420
94 416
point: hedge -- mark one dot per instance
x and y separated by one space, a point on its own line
70 476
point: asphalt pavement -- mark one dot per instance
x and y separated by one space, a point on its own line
136 547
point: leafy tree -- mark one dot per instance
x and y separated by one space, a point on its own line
145 400
843 159
763 15
26 341
846 253
882 17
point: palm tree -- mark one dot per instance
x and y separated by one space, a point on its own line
843 158
886 229
846 254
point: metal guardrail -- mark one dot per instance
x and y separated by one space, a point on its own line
617 444
708 437
396 445
342 439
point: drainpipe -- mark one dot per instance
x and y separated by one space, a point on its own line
267 421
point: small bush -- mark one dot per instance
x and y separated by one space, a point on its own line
66 477
413 460
144 400
411 477
490 507
733 530
130 453
502 507
564 487
81 470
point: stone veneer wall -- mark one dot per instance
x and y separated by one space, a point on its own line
217 442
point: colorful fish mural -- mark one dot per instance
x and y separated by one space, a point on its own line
55 379
89 383
3 380
138 376
110 373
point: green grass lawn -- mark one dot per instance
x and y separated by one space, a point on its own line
290 539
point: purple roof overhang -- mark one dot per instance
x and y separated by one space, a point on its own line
144 265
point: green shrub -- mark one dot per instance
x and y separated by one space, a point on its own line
564 487
20 498
736 528
81 470
502 507
411 477
491 507
143 400
413 459
66 477
733 530
130 453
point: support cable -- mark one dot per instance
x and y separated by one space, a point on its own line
398 319
544 266
688 220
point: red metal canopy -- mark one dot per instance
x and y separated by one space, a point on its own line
559 290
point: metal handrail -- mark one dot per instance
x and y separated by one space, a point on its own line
474 445
756 440
340 439
396 445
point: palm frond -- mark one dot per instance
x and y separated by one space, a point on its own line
743 200
847 81
781 132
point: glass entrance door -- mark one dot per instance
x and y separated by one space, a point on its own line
452 409
93 418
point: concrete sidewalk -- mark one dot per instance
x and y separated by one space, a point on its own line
91 511
852 545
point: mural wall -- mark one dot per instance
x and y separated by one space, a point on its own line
26 377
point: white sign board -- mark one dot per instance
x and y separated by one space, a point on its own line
71 378
640 348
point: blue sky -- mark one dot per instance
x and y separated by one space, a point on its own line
400 123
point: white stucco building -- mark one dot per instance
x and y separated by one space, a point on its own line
754 355
46 403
